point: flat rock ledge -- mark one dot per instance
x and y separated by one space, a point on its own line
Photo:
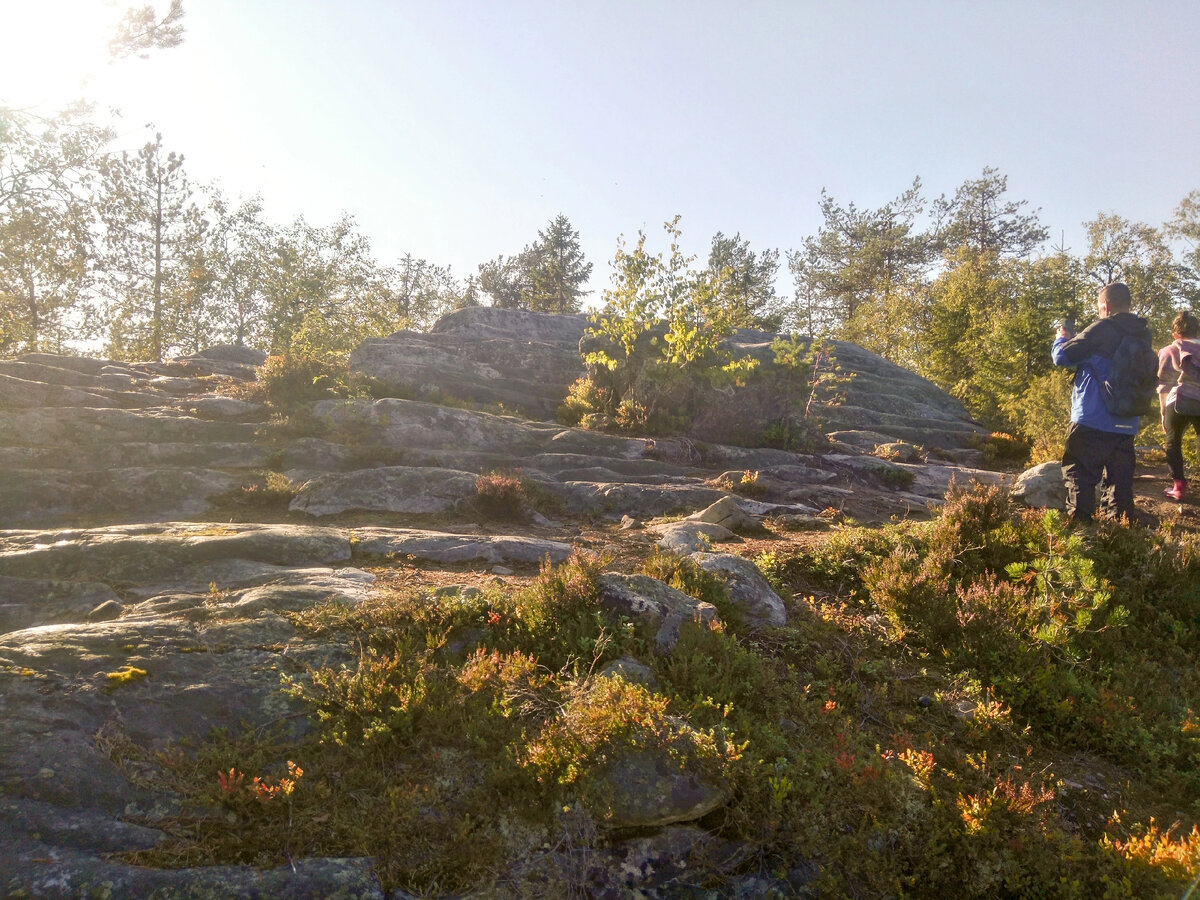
131 611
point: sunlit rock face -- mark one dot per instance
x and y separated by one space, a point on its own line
160 534
526 361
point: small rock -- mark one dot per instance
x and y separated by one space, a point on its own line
688 537
632 671
727 513
106 611
1041 487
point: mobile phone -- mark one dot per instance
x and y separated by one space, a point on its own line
1068 325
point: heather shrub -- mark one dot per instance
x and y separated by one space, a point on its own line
954 709
500 495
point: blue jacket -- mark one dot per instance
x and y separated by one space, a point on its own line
1090 352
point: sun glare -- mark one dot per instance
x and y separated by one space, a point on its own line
53 49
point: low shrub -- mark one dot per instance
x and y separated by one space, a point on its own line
1004 449
587 404
288 380
501 495
800 435
917 730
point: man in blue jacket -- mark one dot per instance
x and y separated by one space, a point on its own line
1099 444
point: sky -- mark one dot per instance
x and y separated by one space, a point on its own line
455 130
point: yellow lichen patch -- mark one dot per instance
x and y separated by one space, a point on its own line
125 675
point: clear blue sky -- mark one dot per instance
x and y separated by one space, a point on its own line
454 130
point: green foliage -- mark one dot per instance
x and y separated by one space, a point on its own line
547 276
978 219
583 402
1140 256
595 406
1000 449
266 493
558 616
600 720
810 372
658 342
988 325
746 282
1040 413
47 246
854 277
153 230
559 269
799 435
485 707
140 31
287 381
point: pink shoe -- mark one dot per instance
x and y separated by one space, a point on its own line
1177 491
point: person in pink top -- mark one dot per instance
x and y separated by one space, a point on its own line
1179 395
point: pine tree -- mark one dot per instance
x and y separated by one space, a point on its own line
745 282
978 218
855 278
547 276
153 229
558 269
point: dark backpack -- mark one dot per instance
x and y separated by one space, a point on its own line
1132 378
1187 391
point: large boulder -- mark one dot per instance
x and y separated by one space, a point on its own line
526 361
650 789
517 359
652 602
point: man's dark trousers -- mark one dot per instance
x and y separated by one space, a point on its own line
1093 455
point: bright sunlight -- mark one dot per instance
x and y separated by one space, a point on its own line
55 48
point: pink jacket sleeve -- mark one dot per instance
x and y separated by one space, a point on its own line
1168 367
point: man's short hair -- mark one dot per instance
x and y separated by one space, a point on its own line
1117 296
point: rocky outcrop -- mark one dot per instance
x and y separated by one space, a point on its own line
161 536
526 361
520 360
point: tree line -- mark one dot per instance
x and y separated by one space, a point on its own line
121 251
966 290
